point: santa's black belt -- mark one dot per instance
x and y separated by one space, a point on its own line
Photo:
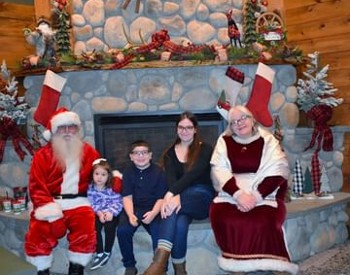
69 196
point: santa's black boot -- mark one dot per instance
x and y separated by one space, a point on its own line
75 269
44 272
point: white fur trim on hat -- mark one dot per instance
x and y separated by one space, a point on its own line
65 118
257 264
60 119
47 135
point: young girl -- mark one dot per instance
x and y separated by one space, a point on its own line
106 201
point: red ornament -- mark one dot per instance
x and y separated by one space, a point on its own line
264 3
253 1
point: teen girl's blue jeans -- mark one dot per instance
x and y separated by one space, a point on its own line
195 202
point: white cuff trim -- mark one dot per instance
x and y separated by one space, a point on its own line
41 262
257 264
237 194
54 81
79 258
257 196
50 211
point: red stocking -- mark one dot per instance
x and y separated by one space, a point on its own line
260 95
50 96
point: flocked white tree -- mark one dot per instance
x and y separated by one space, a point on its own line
315 89
11 105
325 187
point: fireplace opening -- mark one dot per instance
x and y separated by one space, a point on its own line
114 133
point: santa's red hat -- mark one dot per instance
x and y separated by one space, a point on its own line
60 118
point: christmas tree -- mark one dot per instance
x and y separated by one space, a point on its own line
62 34
325 187
316 173
298 179
250 35
307 188
315 97
315 89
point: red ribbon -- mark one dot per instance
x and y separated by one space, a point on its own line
9 129
322 132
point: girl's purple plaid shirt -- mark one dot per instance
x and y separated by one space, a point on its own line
105 200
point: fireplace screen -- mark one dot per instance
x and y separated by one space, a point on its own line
115 133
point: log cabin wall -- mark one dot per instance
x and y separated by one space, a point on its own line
324 25
13 18
321 25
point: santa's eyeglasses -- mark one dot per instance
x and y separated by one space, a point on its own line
72 128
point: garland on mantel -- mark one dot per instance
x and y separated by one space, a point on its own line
161 48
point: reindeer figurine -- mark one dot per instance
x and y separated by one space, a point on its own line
232 30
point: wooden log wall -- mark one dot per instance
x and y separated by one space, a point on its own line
324 26
312 25
13 18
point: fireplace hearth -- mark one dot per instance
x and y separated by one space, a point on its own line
114 133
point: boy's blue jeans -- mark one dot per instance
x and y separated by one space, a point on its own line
126 231
195 202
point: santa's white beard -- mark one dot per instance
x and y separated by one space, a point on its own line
67 151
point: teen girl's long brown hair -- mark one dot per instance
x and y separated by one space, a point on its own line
194 148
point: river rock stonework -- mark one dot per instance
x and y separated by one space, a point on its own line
103 25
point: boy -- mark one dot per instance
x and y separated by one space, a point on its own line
144 186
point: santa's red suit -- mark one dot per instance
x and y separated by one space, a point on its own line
60 205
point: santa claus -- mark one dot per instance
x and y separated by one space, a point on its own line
58 182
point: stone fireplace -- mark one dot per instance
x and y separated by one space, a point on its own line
115 132
118 106
111 102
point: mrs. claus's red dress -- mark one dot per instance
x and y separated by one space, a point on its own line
254 240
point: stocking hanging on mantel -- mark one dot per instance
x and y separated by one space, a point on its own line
233 84
50 96
260 95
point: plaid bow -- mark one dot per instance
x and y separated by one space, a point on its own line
322 132
9 129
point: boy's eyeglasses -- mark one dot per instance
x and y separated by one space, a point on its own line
140 153
185 128
243 118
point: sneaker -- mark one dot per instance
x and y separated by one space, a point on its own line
97 258
100 261
130 271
